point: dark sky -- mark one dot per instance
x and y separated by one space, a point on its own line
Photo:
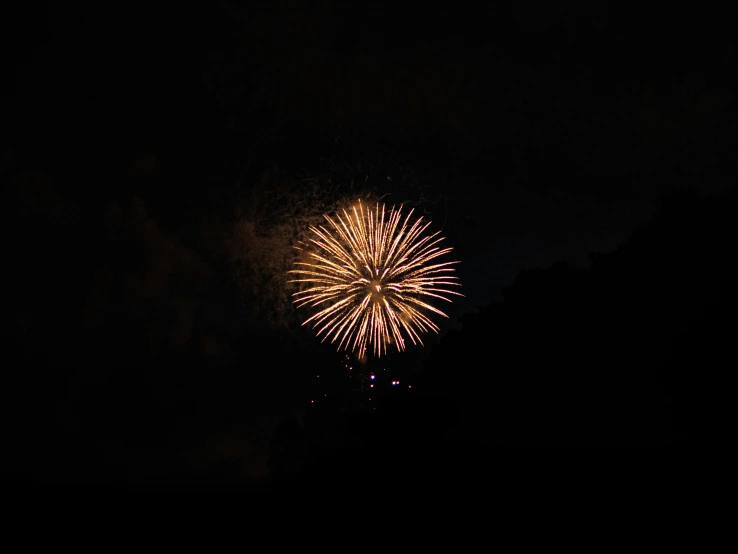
549 127
155 156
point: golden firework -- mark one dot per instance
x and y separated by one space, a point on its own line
368 273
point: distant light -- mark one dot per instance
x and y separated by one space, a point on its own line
371 386
318 376
409 386
312 401
372 377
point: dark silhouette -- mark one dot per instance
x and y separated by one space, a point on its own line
631 351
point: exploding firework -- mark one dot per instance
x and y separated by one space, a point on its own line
368 275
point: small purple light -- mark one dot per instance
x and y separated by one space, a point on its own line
372 377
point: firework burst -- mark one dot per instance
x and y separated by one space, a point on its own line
368 274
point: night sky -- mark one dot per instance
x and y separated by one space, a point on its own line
160 163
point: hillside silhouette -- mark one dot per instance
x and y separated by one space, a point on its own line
633 351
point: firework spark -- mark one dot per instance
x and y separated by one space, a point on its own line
368 274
